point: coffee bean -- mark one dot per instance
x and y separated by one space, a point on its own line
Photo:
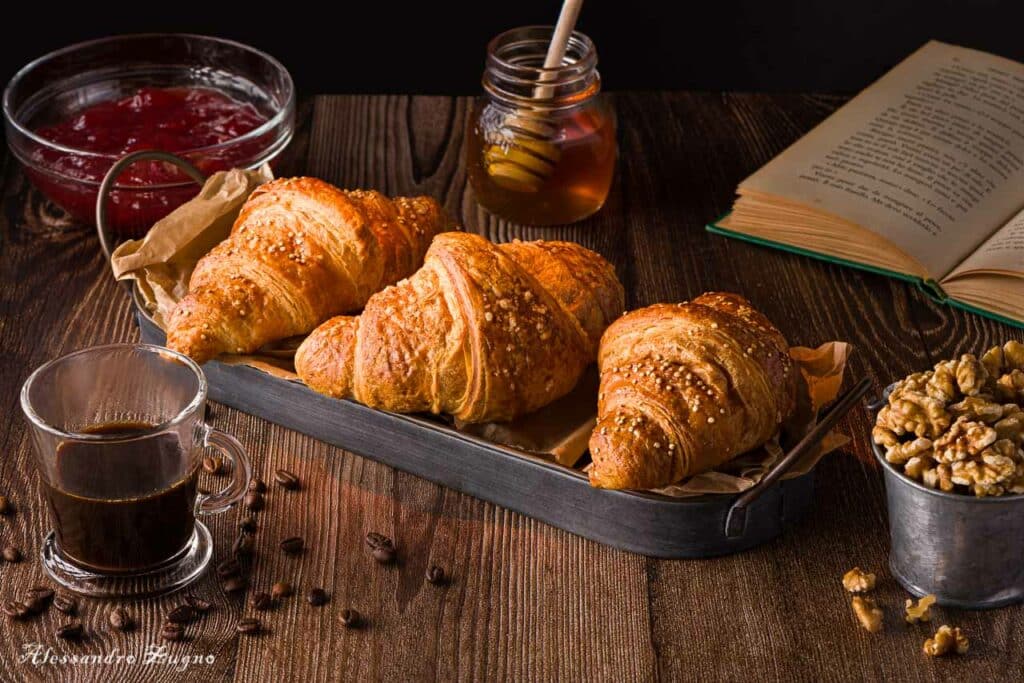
261 601
243 544
247 524
66 604
282 589
286 480
182 614
5 506
234 584
435 574
70 631
228 567
11 554
16 610
256 485
293 545
317 597
249 626
351 618
213 464
120 619
36 605
37 599
384 554
43 593
383 548
375 540
198 604
254 501
171 631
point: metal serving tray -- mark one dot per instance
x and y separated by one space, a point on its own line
644 523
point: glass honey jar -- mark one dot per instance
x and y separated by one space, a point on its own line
541 141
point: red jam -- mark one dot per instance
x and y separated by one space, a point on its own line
167 119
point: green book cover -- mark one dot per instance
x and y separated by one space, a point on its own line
929 287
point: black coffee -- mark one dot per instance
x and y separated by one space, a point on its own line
110 501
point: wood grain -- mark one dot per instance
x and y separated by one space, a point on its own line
526 601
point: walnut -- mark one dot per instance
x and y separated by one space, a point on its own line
883 436
916 466
965 438
942 386
921 611
986 477
902 452
916 413
1013 355
938 477
971 375
868 613
1010 386
946 640
1011 428
978 409
993 361
858 581
916 382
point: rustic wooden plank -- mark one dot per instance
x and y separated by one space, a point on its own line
526 600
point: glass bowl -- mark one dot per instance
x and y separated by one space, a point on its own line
56 87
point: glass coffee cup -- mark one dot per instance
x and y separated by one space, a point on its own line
119 437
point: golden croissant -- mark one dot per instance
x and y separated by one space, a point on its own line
685 388
300 252
483 332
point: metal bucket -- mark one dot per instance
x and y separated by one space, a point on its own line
967 551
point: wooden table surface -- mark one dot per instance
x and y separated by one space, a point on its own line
526 601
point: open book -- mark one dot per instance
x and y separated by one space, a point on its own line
921 176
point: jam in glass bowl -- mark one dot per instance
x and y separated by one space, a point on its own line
71 114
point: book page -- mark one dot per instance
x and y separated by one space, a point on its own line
930 157
1003 253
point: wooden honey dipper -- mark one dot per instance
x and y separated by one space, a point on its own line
527 157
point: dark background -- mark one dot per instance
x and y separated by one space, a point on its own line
371 46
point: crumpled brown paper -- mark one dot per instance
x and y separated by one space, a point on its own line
162 262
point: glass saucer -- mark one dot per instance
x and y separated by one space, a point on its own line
178 572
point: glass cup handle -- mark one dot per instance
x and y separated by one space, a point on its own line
241 473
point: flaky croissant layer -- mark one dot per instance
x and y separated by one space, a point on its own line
685 388
300 251
483 332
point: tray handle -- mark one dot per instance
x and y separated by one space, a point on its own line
736 519
102 229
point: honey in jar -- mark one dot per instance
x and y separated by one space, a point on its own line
541 142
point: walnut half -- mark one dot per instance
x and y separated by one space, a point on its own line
858 581
920 611
868 613
947 639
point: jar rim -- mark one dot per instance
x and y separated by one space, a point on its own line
512 71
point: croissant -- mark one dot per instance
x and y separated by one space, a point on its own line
300 251
482 332
685 388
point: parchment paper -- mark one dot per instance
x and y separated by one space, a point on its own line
162 262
